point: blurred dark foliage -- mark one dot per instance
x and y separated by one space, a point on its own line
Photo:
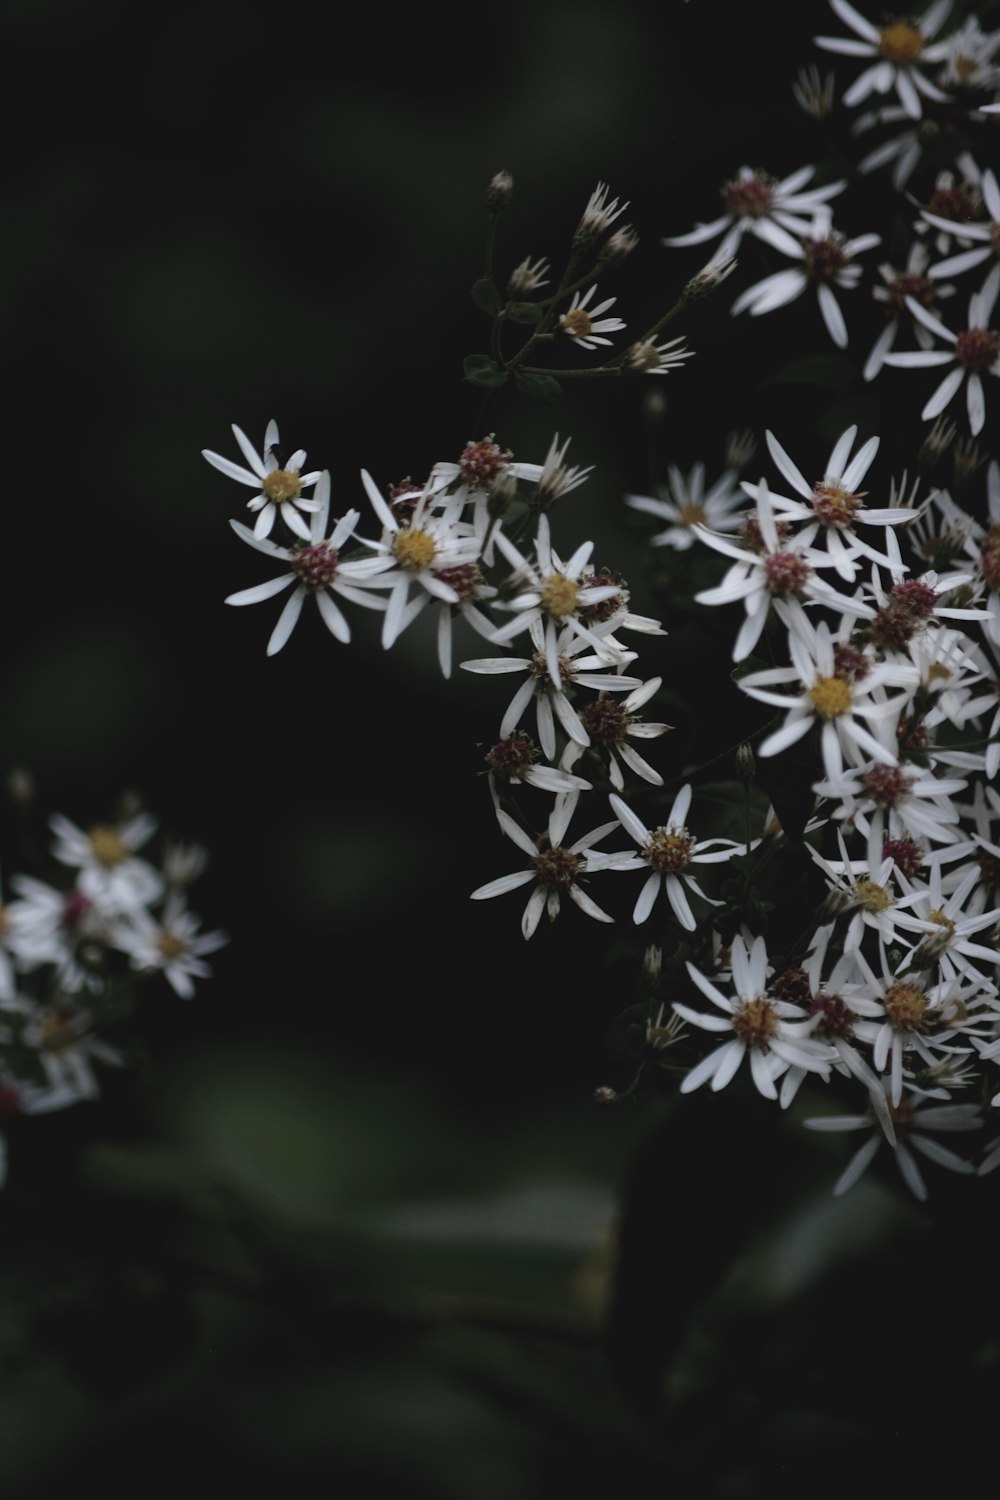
225 213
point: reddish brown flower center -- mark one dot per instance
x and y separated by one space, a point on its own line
557 868
977 349
669 850
750 197
481 462
836 1018
849 663
910 284
834 505
886 785
953 203
513 755
785 572
825 258
606 720
464 578
906 854
315 566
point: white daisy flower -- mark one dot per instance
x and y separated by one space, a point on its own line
611 723
831 701
915 281
834 505
771 1031
51 926
974 352
667 853
912 1119
865 888
770 566
556 869
647 357
584 324
896 802
684 503
827 261
316 570
554 592
279 486
911 1019
898 48
171 944
984 238
759 204
516 760
552 703
109 873
947 930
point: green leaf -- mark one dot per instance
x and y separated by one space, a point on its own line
481 370
486 297
539 387
524 312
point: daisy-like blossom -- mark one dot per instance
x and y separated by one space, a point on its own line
827 260
584 324
898 49
969 65
771 566
984 238
516 760
420 552
756 203
65 1046
170 943
896 802
832 507
552 703
528 277
947 932
600 213
109 872
912 1119
647 357
556 593
773 1032
912 1017
955 202
279 486
315 570
555 869
835 1004
865 889
667 854
831 700
974 352
915 281
684 503
49 926
904 149
611 723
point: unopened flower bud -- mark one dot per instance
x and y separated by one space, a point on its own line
528 277
936 443
617 246
746 763
813 94
740 449
598 216
968 458
20 786
709 277
605 1095
499 192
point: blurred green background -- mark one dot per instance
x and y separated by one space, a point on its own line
353 1220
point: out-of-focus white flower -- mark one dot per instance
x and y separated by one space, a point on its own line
897 49
684 503
756 203
827 260
974 352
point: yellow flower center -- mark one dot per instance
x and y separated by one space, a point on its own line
414 548
905 1006
560 596
55 1032
755 1022
170 945
901 42
577 322
4 920
106 842
831 697
872 896
938 672
691 515
282 485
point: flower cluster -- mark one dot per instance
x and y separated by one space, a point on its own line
864 611
73 946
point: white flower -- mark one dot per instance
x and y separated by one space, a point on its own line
598 215
988 235
171 944
832 701
555 869
770 567
108 872
684 503
897 48
947 929
647 357
314 568
279 486
421 551
975 352
912 1121
552 703
666 852
834 505
584 324
555 592
896 802
761 205
772 1031
827 261
913 281
610 723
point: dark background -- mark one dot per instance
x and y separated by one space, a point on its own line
228 213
